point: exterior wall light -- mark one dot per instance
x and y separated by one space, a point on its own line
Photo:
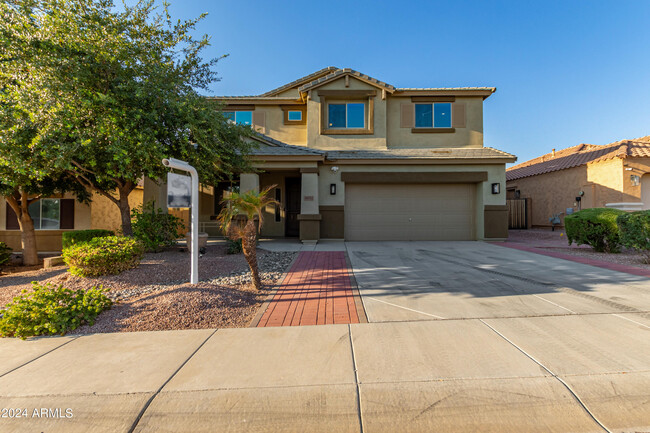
635 179
332 189
496 188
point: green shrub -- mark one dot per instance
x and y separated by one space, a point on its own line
155 228
50 310
78 236
5 253
595 227
233 247
634 228
103 256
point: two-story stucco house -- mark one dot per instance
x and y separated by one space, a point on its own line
355 158
351 157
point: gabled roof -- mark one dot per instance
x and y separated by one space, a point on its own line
331 73
300 81
580 155
343 72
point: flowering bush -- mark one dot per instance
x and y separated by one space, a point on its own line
103 256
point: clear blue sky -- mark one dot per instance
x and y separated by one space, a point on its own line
566 72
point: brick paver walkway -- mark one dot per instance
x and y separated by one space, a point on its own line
316 291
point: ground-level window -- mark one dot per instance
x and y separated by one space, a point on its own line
348 115
240 117
46 214
433 115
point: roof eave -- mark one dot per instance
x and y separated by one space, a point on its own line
484 93
420 161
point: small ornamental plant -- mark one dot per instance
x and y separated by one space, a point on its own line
103 256
51 310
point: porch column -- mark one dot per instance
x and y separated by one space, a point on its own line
249 182
309 213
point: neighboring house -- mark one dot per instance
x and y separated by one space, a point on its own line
611 175
352 158
355 158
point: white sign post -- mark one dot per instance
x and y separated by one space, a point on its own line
176 194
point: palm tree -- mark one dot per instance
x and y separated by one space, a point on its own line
249 204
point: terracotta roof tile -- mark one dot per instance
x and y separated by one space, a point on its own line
580 155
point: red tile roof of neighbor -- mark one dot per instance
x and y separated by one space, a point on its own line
580 155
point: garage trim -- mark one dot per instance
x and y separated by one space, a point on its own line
410 177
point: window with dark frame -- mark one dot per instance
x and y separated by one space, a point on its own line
239 117
433 115
346 115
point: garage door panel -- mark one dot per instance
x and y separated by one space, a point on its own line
410 212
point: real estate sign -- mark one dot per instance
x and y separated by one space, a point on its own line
179 191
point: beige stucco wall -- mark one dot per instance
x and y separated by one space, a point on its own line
345 142
275 127
104 214
470 136
639 167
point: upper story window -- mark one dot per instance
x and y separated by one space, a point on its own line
435 115
294 115
46 214
240 117
347 115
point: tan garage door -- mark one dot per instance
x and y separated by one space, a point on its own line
410 212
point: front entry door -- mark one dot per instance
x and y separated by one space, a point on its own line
292 187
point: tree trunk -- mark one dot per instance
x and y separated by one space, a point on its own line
26 223
125 211
28 239
249 245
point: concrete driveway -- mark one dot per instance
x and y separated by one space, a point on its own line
404 281
586 329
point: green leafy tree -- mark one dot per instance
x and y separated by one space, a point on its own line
111 93
241 218
27 172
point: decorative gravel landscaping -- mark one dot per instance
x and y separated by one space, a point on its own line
156 295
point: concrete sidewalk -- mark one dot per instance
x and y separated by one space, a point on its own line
492 375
